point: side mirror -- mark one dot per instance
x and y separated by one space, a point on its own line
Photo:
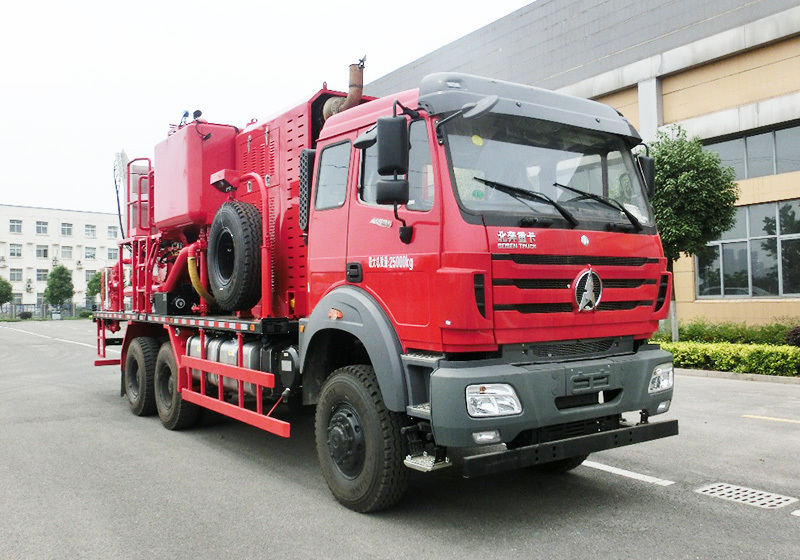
475 110
392 191
366 139
392 146
648 167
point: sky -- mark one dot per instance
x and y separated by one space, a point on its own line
85 79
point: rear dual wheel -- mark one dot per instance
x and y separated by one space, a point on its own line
137 377
175 413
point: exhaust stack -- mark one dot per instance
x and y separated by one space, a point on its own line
338 104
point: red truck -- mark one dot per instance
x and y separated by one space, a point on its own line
471 264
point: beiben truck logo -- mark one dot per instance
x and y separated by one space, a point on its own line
588 290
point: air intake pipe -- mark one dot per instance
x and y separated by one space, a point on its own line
338 104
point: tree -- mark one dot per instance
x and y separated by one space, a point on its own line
93 286
59 286
6 293
694 197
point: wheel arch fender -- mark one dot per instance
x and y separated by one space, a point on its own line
363 318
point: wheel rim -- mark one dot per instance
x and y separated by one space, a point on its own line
132 375
346 440
226 255
165 386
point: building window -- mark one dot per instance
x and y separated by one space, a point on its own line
42 251
89 252
66 252
15 226
15 274
14 250
40 300
66 230
758 155
113 253
90 231
41 228
112 232
16 298
89 274
758 257
41 274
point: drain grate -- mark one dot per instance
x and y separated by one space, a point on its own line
747 496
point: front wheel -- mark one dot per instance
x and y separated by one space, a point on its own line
359 445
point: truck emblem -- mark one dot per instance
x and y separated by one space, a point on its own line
588 291
381 222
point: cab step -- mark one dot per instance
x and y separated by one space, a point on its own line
426 462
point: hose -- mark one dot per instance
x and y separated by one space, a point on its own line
194 276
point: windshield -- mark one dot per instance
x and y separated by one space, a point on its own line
586 174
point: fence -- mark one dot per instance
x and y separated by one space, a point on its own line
44 311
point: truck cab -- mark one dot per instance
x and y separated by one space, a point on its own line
492 249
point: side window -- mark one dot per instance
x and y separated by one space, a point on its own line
332 181
420 171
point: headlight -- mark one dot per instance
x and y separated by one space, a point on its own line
492 399
662 378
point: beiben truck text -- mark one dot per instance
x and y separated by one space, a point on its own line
471 264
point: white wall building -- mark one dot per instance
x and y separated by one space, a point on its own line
34 240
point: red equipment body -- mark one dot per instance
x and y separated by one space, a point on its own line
389 248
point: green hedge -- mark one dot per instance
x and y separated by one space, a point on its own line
699 330
741 358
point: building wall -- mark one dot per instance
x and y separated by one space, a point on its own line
739 83
73 247
554 43
721 69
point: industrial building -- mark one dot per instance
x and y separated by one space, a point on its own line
724 70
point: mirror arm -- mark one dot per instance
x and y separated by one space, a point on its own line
406 231
406 111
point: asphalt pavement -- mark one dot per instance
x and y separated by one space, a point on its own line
81 477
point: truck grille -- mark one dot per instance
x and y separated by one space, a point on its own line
575 260
533 284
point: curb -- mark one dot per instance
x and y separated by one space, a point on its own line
738 376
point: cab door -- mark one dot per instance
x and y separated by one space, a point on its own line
399 275
327 248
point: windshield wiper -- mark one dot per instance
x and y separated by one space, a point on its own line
521 194
610 202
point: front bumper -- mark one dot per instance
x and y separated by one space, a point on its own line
487 463
552 394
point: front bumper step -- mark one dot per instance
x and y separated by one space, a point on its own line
478 465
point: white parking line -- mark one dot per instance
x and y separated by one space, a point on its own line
770 418
796 512
117 350
628 474
27 332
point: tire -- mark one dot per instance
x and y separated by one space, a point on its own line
137 377
234 256
175 413
359 444
561 466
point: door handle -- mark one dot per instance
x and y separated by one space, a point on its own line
354 273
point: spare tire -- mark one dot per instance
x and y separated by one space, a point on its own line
234 256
